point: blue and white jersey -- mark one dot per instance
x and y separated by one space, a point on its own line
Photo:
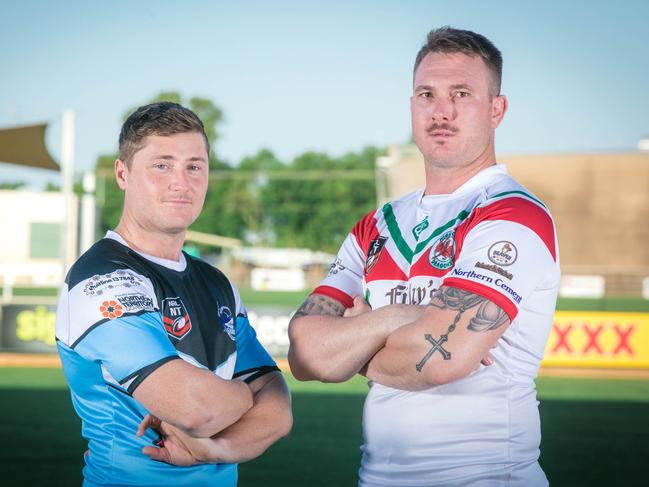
121 315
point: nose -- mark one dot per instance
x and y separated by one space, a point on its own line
442 109
178 181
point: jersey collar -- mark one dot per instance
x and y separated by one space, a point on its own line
179 265
482 179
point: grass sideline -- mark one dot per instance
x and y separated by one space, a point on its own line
595 432
296 298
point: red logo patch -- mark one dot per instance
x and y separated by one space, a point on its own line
175 317
111 309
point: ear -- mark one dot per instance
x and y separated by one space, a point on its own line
498 109
121 172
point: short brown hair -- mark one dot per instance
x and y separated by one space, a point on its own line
162 118
448 40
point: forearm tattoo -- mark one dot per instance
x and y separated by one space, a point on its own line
316 304
489 316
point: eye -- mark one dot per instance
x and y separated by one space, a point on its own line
425 94
462 94
161 166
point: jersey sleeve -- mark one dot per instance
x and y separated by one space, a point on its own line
119 327
253 360
345 278
504 252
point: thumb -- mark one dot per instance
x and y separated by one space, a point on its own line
158 454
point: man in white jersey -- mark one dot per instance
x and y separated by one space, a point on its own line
423 288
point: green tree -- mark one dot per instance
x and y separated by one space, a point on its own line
318 210
16 185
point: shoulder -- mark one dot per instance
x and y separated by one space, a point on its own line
508 201
366 228
106 259
216 278
507 190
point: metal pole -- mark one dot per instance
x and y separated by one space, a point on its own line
68 242
88 213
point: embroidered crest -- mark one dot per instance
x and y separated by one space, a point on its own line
175 318
442 252
373 253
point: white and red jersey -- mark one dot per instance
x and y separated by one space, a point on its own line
490 237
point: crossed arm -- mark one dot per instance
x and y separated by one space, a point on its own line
263 424
330 344
402 346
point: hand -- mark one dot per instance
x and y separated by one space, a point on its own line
487 360
172 447
360 306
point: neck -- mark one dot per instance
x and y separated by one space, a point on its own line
164 245
445 180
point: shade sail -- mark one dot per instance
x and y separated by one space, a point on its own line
25 146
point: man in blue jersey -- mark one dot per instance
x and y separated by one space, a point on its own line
165 371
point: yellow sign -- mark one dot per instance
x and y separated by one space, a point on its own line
598 339
37 324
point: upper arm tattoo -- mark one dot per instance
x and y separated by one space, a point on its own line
317 304
489 316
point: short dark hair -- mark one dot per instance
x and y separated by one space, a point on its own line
448 40
162 118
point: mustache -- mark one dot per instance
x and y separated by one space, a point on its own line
442 126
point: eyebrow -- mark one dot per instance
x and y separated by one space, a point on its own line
169 157
457 86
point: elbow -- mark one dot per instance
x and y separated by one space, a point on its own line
197 423
440 375
297 365
285 424
300 359
304 370
306 358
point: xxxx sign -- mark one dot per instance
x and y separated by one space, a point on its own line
598 339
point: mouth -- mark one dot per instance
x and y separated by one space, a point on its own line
177 202
442 131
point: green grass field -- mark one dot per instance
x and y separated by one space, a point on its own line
294 299
595 432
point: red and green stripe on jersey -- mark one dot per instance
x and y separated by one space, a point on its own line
512 206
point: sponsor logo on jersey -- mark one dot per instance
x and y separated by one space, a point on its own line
494 268
442 252
133 303
227 321
336 267
503 253
175 318
419 228
373 253
96 285
498 282
411 294
472 275
111 309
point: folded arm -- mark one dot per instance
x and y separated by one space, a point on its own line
268 420
331 346
193 399
446 343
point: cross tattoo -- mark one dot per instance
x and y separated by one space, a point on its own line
437 346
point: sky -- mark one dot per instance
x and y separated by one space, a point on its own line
335 76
